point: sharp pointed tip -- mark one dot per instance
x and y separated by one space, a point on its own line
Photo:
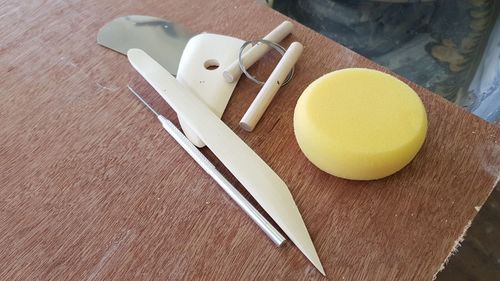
313 257
319 267
306 246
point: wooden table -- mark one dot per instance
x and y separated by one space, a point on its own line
93 189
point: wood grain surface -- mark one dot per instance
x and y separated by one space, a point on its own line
93 189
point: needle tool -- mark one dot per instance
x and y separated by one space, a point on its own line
206 165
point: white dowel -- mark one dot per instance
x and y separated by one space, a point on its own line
272 85
233 71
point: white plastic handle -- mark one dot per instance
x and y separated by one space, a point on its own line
271 87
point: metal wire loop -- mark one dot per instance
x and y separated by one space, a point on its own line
271 44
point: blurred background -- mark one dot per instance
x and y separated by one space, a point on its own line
451 47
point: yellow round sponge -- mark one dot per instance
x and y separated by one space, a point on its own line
359 123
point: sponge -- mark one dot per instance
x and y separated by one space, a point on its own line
359 123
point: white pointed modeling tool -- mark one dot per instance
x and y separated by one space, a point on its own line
251 171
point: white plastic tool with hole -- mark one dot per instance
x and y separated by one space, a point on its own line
200 69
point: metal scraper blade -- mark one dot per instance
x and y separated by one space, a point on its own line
162 40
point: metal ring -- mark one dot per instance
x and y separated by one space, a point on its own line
271 44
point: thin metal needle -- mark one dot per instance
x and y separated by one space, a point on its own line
206 165
142 100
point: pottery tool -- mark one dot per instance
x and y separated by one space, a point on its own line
163 40
233 71
200 69
271 87
252 172
280 49
208 167
360 123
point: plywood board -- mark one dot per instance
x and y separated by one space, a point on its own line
92 188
